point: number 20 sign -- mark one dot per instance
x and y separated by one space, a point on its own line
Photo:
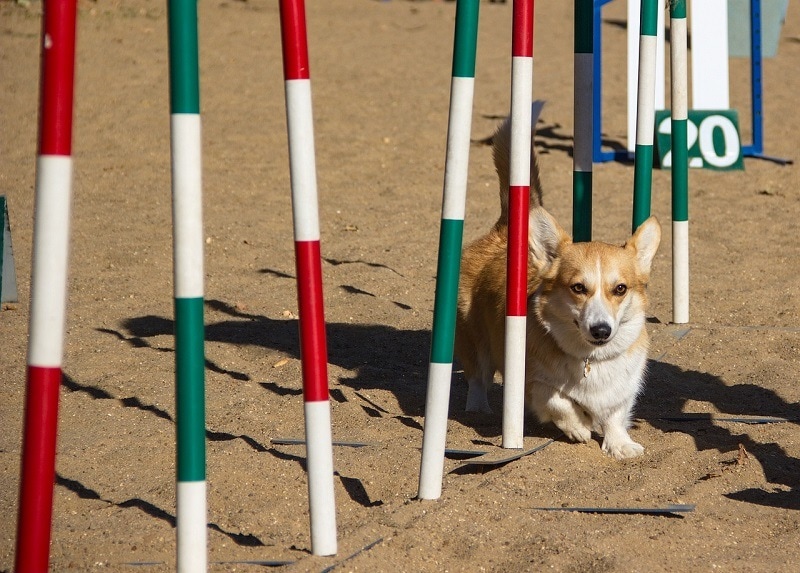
713 139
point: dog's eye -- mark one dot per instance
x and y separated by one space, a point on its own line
578 288
620 289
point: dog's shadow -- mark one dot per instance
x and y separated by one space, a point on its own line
670 388
380 357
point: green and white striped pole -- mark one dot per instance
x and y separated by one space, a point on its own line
680 163
450 238
187 221
583 108
645 112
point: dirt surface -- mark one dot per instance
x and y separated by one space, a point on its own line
381 82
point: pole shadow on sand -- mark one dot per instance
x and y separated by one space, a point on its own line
385 358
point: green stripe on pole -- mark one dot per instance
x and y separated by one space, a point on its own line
466 38
584 26
642 183
649 16
190 392
680 167
677 8
184 74
680 151
582 206
444 311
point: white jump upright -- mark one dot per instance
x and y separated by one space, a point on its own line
709 26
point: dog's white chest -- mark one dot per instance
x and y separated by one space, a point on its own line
603 383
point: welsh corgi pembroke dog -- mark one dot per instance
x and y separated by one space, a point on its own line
586 338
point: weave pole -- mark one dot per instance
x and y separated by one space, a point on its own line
454 197
519 203
645 112
313 345
48 286
680 162
584 121
187 221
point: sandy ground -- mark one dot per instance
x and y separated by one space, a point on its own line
381 82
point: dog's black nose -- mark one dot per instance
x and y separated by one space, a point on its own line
600 331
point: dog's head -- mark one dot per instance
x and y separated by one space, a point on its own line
592 296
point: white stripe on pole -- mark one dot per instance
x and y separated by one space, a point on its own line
191 526
458 141
514 383
302 164
435 435
522 80
584 80
320 476
51 229
679 73
187 204
709 23
634 8
645 124
680 272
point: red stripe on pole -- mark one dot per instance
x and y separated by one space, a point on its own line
522 38
313 344
295 44
38 469
57 77
517 286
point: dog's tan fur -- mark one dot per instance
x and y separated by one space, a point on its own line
586 341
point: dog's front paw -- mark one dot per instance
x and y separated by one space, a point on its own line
575 430
622 450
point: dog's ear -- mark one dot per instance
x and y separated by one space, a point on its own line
545 237
646 240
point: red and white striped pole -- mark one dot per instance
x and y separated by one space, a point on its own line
48 286
313 346
519 202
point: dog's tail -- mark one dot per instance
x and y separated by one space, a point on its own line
501 150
